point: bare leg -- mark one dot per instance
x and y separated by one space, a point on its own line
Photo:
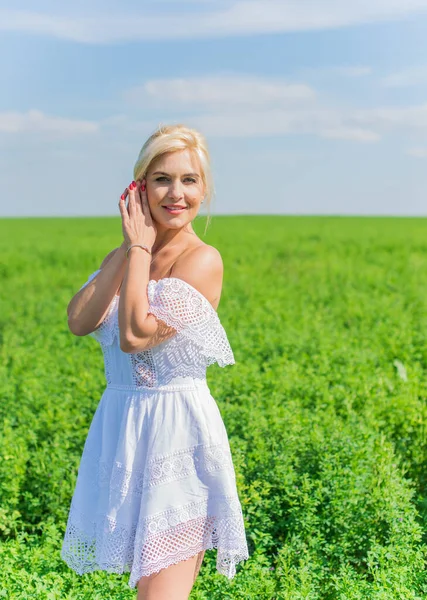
173 583
198 564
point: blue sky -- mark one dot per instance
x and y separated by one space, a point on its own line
309 107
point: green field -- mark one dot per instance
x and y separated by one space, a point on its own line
326 406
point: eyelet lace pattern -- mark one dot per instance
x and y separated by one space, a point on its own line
206 459
144 369
200 340
156 482
184 308
158 541
118 478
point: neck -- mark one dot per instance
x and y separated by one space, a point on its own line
167 236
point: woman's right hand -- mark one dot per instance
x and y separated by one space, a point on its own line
137 224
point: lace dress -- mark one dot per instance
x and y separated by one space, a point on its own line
156 482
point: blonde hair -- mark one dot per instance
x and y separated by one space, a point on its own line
173 138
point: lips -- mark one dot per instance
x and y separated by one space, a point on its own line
174 209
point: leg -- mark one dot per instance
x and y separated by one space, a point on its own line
198 564
173 583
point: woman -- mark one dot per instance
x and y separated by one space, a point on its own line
156 484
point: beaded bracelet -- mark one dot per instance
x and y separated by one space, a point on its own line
139 246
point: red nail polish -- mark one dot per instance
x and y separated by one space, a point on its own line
122 197
142 188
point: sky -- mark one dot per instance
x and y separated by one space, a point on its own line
308 106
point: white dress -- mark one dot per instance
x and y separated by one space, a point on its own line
156 482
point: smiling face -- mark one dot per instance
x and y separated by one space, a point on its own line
175 188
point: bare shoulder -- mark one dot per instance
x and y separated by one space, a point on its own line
202 267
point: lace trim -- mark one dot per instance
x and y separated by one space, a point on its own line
188 462
184 308
158 471
200 341
157 541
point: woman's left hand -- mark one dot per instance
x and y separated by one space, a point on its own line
137 223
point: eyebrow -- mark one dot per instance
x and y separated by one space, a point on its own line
185 174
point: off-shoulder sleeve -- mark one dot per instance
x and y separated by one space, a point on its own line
108 329
184 308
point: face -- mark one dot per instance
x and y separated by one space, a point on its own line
175 188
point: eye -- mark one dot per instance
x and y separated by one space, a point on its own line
162 178
190 179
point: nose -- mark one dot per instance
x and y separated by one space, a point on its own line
176 190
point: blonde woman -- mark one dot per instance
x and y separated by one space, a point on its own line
156 484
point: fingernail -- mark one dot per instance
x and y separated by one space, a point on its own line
122 197
142 188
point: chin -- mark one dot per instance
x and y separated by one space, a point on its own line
175 223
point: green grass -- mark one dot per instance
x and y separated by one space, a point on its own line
325 408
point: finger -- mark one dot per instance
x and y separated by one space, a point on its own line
131 205
141 191
122 208
138 202
144 202
124 196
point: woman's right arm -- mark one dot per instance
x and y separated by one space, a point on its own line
88 308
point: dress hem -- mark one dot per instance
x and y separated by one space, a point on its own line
173 560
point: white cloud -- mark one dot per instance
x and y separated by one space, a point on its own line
242 106
244 17
251 124
360 125
417 152
323 123
388 118
220 91
34 121
408 77
235 106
